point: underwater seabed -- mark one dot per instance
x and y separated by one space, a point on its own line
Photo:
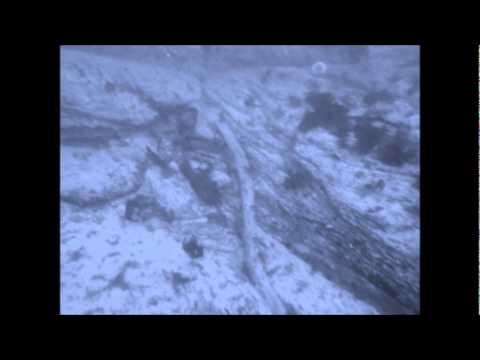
239 180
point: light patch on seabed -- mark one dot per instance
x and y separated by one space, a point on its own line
109 252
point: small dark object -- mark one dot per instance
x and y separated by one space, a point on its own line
192 248
354 54
249 101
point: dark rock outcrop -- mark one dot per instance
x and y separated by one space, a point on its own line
377 96
397 150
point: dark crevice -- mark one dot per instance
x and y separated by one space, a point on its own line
206 189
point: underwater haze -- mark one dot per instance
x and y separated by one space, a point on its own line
239 180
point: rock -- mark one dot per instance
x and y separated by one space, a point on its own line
192 248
